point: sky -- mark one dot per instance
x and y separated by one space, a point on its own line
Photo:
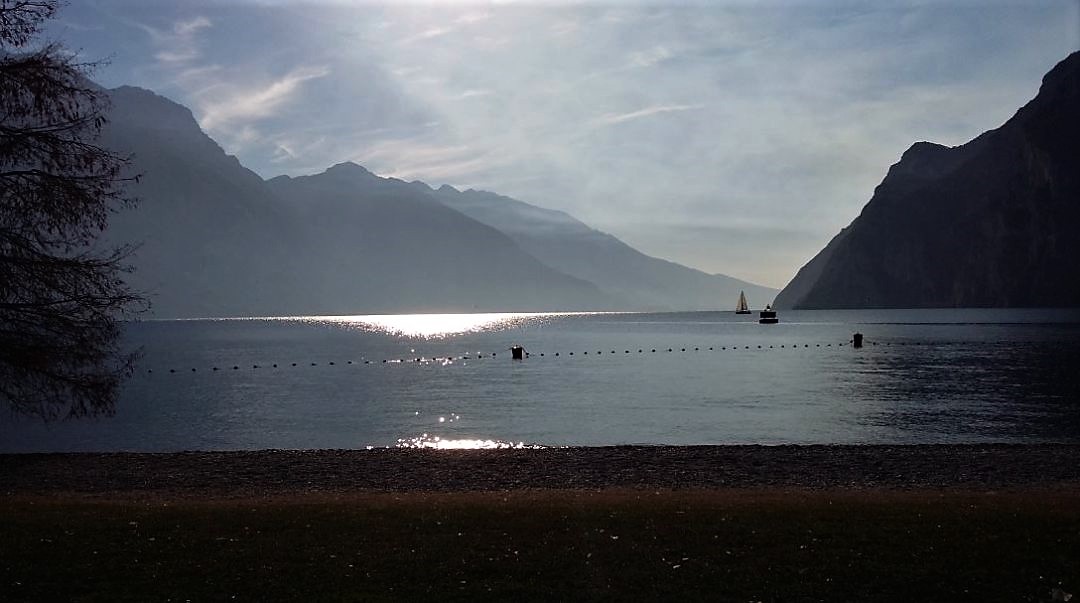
732 137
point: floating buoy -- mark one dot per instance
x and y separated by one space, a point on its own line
517 352
856 340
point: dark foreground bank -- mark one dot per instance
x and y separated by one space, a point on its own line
924 523
255 473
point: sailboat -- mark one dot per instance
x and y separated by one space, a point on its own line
742 308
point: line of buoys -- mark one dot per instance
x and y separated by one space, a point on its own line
518 353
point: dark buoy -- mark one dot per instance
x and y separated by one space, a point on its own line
856 340
516 352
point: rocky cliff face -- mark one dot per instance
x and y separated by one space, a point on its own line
992 223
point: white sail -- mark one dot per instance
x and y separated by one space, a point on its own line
742 307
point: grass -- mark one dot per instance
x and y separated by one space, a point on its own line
546 546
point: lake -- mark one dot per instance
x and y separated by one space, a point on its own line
923 376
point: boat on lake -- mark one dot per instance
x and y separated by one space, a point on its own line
742 307
768 316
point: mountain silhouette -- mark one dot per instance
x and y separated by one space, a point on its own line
218 240
991 223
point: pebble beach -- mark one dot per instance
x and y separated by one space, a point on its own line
289 472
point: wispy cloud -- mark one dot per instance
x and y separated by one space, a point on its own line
427 34
191 26
648 58
618 118
258 101
471 94
470 18
787 111
179 43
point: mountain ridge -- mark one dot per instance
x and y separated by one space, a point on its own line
989 223
218 240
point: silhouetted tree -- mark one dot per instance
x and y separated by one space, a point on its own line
62 298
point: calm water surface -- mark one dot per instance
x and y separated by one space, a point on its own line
924 376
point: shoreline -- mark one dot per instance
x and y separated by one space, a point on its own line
242 474
630 523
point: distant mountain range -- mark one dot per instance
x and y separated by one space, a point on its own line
991 223
218 240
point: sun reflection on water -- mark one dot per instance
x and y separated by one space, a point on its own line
430 326
427 441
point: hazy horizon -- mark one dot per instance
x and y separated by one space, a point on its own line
732 138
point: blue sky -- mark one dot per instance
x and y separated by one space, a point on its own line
734 137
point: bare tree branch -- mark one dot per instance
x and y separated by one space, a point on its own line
61 302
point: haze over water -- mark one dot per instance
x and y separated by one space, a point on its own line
925 376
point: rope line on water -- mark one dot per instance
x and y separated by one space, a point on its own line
483 356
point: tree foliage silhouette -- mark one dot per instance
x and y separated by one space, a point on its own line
62 298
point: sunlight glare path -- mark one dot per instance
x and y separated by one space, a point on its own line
432 326
438 443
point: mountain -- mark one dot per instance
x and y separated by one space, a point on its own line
991 223
212 240
632 279
568 245
217 240
390 246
